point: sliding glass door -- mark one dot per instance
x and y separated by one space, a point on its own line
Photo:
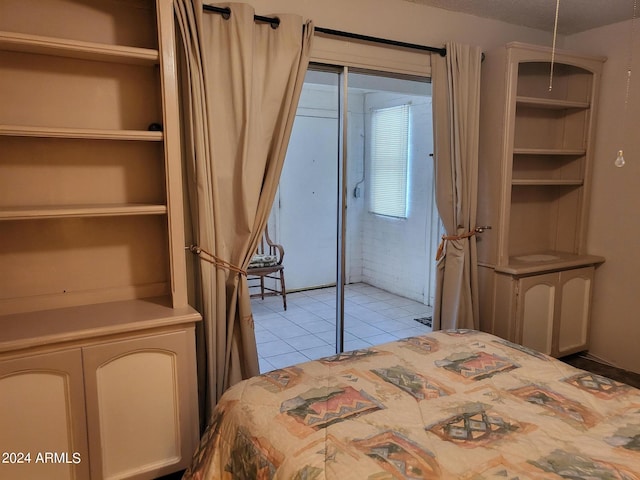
356 217
391 220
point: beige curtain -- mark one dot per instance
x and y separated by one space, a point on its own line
241 84
456 107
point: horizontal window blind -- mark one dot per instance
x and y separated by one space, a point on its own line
389 159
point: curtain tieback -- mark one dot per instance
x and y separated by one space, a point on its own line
453 237
217 261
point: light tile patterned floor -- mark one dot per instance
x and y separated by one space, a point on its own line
306 331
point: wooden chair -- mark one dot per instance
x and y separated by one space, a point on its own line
267 263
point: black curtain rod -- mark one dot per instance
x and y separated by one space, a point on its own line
275 21
395 43
226 14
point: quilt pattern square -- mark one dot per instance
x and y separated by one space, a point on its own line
475 427
578 415
573 465
421 344
597 385
281 379
419 387
476 365
252 457
320 407
400 457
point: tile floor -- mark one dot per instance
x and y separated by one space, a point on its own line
306 331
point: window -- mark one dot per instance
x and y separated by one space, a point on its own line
389 158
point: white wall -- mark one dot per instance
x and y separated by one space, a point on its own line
614 221
405 21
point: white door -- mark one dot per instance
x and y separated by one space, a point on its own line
307 203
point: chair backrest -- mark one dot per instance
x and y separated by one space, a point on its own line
269 247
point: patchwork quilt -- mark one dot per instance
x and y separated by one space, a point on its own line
448 405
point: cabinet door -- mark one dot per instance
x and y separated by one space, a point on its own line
504 319
573 317
42 414
141 405
536 311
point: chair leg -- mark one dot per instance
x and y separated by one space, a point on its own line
262 287
284 291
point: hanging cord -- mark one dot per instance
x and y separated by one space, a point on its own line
217 261
553 47
630 57
620 162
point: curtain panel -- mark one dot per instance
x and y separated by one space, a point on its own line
456 109
241 81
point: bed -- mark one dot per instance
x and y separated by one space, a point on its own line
448 405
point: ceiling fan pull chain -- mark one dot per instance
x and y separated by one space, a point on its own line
553 48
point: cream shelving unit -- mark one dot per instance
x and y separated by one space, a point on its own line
536 149
92 239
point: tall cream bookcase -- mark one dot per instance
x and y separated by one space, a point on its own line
97 345
536 149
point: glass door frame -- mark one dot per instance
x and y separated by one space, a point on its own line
342 159
343 110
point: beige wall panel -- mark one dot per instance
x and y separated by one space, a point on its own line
336 51
77 93
532 167
614 227
115 22
68 256
569 232
405 21
549 129
85 172
533 220
575 126
545 218
569 82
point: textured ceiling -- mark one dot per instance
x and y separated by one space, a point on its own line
575 15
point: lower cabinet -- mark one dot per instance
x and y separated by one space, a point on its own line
547 312
42 405
125 408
